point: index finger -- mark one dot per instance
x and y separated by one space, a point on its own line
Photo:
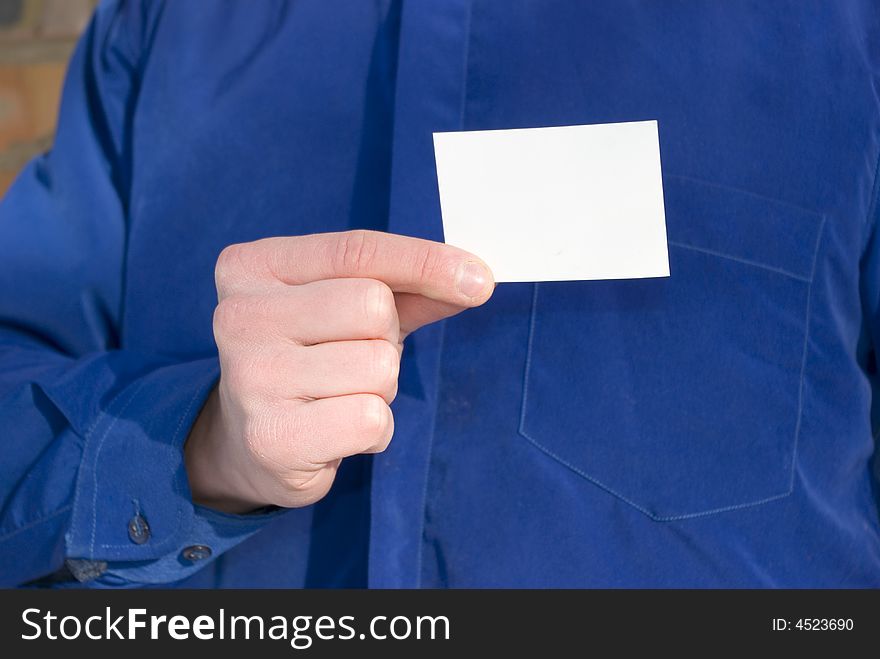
407 265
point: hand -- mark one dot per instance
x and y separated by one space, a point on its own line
310 331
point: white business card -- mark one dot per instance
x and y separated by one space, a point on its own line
555 204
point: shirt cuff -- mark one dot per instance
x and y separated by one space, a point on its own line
132 505
210 534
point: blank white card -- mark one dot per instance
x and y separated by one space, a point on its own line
554 204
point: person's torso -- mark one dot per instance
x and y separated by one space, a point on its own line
707 429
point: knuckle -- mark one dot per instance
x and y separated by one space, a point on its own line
225 317
256 435
379 307
374 417
384 362
266 433
428 263
229 264
355 250
392 392
240 316
231 314
383 439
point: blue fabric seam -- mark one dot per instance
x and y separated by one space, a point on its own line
87 438
875 196
36 522
97 458
461 119
807 323
657 518
756 195
464 66
425 483
177 489
749 262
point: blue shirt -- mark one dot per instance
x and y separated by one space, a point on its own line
710 429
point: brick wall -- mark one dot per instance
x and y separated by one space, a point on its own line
36 39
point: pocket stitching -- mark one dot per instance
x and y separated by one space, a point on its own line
738 259
796 440
807 317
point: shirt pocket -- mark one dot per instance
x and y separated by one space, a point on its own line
682 396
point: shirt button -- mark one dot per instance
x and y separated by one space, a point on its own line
138 529
196 553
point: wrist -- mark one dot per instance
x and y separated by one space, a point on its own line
214 473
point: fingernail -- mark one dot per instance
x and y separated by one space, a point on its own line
473 279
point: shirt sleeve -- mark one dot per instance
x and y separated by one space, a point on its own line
92 480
